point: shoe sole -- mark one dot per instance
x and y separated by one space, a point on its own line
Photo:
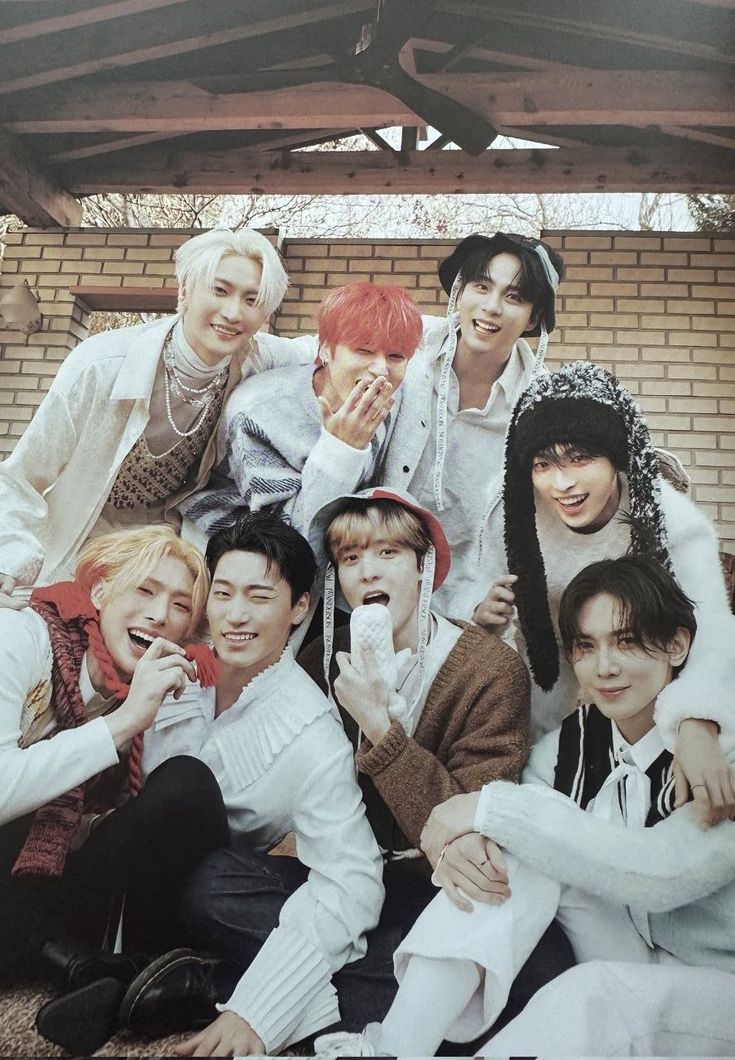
83 1020
148 977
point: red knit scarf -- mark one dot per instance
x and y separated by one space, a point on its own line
73 625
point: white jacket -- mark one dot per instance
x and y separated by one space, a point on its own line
56 481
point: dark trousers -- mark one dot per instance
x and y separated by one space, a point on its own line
145 850
235 897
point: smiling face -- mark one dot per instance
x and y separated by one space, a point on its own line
492 313
583 490
250 613
160 605
381 571
615 672
218 322
346 367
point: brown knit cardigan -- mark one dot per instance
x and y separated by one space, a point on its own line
474 728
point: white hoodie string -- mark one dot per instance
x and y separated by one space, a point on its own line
443 396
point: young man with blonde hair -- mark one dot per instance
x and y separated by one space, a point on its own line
68 713
126 429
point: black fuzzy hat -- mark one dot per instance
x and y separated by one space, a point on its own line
581 404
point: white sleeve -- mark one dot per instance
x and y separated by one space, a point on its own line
332 469
654 869
322 925
35 775
705 688
32 468
273 351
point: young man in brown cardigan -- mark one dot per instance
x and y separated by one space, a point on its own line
438 709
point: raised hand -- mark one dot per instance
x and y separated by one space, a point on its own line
356 421
498 606
162 671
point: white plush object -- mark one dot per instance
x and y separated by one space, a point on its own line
371 645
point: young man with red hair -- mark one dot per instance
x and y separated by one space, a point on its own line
294 438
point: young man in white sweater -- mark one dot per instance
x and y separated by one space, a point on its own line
592 836
283 764
127 427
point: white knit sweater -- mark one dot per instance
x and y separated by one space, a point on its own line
682 875
704 689
284 765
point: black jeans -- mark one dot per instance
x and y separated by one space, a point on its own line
235 897
146 850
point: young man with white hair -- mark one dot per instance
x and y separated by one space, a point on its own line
126 429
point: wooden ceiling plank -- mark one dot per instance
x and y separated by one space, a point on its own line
492 55
166 50
75 20
590 97
700 135
446 172
30 192
607 32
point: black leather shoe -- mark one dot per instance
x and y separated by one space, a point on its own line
72 965
177 992
82 1021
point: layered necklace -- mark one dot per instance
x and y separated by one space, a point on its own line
198 397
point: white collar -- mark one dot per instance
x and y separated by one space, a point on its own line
643 753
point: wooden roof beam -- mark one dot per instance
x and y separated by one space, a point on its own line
679 169
246 31
607 31
589 97
27 190
76 19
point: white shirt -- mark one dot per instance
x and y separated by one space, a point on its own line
284 764
473 475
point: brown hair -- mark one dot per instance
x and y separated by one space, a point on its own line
359 520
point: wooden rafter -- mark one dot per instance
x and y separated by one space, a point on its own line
378 172
76 19
27 190
148 53
590 97
608 31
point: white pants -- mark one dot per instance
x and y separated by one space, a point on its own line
612 1008
500 938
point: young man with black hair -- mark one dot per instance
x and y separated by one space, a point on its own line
458 397
593 837
284 765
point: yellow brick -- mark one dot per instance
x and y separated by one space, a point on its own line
664 321
669 388
86 239
611 257
636 242
691 275
714 423
658 258
719 290
687 338
103 254
640 274
693 405
640 305
612 290
594 242
691 244
659 353
639 337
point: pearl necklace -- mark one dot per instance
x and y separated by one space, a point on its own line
203 400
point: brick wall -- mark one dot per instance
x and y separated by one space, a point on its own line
657 308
